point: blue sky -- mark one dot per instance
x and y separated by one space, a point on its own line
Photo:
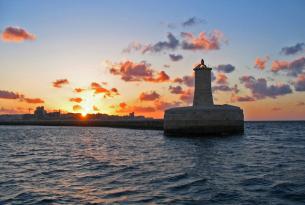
75 38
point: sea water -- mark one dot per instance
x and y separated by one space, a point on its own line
99 165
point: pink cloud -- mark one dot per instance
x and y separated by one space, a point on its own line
221 78
149 96
131 71
204 41
16 34
278 65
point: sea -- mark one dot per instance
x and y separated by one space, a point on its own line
99 165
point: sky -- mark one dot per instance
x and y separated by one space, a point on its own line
117 57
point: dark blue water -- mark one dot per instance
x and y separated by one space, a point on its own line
76 165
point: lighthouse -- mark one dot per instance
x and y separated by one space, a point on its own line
204 118
203 91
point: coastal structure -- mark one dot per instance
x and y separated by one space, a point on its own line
203 118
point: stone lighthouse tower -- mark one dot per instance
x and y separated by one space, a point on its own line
203 118
203 91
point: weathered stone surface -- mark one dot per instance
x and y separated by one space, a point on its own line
211 120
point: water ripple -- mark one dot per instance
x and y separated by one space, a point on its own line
79 165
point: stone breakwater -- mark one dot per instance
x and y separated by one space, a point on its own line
153 124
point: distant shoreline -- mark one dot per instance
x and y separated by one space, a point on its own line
151 124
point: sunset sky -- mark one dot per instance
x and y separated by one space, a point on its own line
117 57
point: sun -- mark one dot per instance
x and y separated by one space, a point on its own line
84 114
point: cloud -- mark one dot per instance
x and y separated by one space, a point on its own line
221 78
171 44
260 63
276 109
204 41
32 100
244 98
175 57
261 90
98 89
187 96
299 83
12 95
16 34
96 109
176 89
292 68
158 78
78 90
153 95
225 68
186 80
131 71
162 105
166 66
60 82
8 95
77 108
77 100
9 111
300 104
192 22
122 105
290 50
124 108
136 46
224 88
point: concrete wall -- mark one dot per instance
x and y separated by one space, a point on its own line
202 121
203 92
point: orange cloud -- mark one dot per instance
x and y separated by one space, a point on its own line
77 100
162 105
98 89
278 65
96 109
160 77
204 41
122 105
12 95
124 108
60 82
78 90
16 34
8 95
131 71
33 100
221 78
260 63
149 96
187 96
77 108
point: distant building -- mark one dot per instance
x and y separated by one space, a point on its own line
53 115
40 112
